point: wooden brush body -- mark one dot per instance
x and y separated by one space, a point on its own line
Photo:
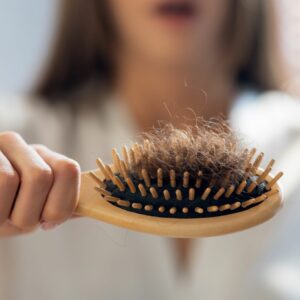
92 204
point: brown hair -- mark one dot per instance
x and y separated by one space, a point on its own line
82 53
209 146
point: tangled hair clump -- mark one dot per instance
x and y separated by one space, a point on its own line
208 146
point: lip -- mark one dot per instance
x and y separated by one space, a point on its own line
176 12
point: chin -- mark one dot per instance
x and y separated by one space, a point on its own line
172 53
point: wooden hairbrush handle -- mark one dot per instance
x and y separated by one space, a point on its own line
91 204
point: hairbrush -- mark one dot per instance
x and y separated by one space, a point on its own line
195 181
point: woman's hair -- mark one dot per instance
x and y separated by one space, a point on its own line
82 50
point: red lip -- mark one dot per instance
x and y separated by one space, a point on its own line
176 9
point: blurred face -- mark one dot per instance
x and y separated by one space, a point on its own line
173 32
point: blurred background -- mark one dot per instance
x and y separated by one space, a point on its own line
26 33
27 29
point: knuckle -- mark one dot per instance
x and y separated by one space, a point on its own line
39 147
9 136
68 167
54 215
41 175
24 224
9 178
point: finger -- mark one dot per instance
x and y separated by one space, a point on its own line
8 229
35 176
9 182
63 196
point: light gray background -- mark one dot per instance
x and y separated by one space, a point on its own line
26 28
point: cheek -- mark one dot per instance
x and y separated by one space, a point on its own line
215 18
128 19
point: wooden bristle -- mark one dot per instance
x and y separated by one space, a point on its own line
257 162
185 210
198 180
248 170
246 154
229 191
213 208
172 178
125 155
132 160
186 178
271 192
146 144
224 207
119 184
192 194
124 170
235 205
97 179
137 151
251 187
254 200
102 191
270 164
219 193
102 168
250 156
274 180
153 192
115 179
206 193
159 177
263 175
137 205
130 185
123 203
116 160
248 202
166 194
146 150
140 149
241 187
178 194
260 198
199 210
146 178
148 207
142 190
111 199
161 209
110 173
173 210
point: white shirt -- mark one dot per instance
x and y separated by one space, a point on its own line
86 259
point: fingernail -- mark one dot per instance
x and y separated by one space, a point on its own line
48 225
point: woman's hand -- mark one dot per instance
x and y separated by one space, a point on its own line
37 186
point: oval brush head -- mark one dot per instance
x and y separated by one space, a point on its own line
196 181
